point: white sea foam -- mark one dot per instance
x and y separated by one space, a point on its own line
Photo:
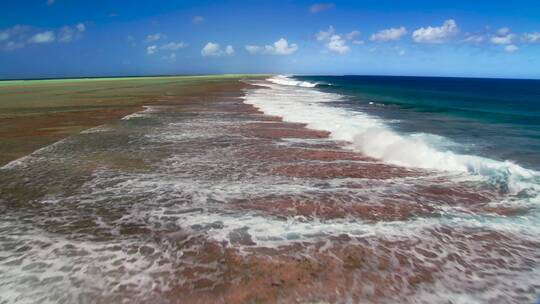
284 80
147 110
285 97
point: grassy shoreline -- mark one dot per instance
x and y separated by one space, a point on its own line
15 82
36 113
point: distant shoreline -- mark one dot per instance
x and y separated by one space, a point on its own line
127 77
108 78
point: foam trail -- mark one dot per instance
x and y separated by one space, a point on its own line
299 103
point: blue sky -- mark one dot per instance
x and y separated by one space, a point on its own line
62 38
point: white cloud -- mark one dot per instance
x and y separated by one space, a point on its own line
172 46
198 20
531 37
502 39
214 50
503 31
254 49
475 38
319 7
436 34
335 42
154 37
391 34
511 48
338 45
68 33
211 49
503 36
325 35
151 49
45 37
229 50
280 47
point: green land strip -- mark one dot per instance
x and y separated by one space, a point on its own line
35 113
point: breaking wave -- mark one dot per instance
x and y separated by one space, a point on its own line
287 81
296 101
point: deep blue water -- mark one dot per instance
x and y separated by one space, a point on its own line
495 118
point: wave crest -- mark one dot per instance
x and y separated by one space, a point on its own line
287 81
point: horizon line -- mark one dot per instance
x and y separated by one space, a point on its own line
256 74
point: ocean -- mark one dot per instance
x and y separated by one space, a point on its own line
486 127
286 189
494 118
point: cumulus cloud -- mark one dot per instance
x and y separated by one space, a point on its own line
503 36
325 35
319 7
436 34
45 37
154 37
254 49
229 50
152 49
511 48
502 39
172 46
68 33
198 20
280 47
531 37
337 43
212 49
391 34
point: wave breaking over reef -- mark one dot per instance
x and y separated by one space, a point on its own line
215 201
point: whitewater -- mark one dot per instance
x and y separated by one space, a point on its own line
301 101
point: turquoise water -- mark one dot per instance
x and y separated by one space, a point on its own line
494 118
